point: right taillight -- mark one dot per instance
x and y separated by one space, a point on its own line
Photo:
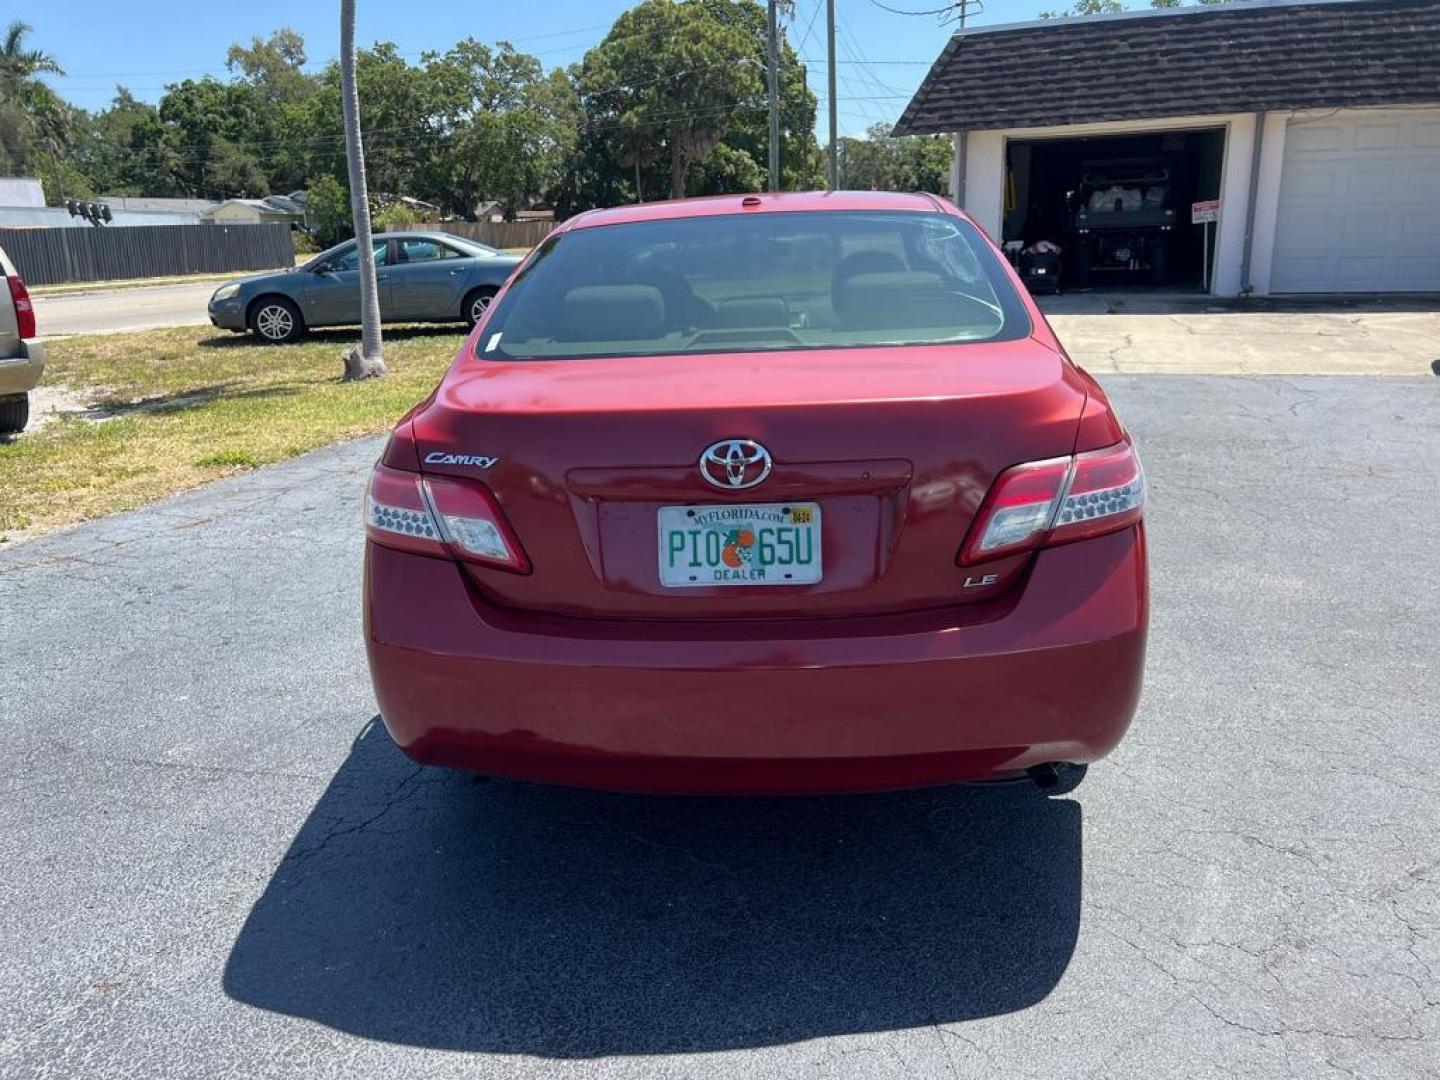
442 516
24 306
1042 503
1106 493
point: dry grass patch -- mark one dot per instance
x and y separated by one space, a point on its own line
170 409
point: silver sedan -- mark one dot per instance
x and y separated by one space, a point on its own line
423 277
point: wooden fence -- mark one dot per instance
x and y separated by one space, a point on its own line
50 256
500 234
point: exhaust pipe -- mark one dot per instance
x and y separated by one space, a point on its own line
1046 776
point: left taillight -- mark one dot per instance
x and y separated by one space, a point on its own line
441 516
24 306
1043 503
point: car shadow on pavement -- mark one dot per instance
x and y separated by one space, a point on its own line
439 910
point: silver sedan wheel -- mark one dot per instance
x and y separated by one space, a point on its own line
274 322
479 306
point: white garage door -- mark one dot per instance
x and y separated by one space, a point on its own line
1360 204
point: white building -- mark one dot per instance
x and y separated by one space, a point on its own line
21 191
1315 125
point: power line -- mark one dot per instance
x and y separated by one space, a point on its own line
862 73
817 60
898 11
958 10
809 27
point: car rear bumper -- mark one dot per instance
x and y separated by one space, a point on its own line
20 374
726 708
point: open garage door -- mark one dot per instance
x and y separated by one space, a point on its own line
1116 206
1359 204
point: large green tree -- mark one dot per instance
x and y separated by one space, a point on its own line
665 82
100 148
271 69
505 129
207 143
801 159
402 127
883 162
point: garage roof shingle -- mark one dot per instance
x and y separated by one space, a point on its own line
1183 62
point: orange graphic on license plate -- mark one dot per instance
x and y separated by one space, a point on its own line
738 547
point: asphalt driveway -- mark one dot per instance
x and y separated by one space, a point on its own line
214 862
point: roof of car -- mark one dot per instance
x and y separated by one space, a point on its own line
426 234
715 205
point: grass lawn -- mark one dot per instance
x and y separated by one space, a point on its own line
165 410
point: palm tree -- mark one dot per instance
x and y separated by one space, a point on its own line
34 122
19 65
369 362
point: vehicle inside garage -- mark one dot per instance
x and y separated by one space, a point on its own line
1116 207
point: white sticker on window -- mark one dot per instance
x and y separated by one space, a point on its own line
494 340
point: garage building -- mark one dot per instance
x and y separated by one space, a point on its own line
1314 125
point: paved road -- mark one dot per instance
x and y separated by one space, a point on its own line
138 308
214 861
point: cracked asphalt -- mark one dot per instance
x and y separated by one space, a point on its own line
213 861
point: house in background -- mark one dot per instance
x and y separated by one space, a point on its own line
1315 125
493 210
273 209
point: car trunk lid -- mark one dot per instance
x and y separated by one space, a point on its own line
895 446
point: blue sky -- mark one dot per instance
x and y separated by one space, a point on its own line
882 56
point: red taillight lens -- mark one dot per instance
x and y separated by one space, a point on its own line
1053 502
1018 509
24 307
474 525
440 516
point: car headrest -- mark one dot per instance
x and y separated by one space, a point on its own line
613 313
864 262
879 301
752 311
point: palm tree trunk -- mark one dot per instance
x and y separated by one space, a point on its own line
677 169
371 361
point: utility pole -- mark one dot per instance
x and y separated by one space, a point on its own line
368 362
774 102
834 171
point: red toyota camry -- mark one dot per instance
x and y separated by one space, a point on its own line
760 494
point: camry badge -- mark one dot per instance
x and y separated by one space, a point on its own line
735 464
480 461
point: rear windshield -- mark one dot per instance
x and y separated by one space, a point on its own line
782 281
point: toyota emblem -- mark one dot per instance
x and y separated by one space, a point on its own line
735 464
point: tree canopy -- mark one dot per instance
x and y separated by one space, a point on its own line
672 101
883 162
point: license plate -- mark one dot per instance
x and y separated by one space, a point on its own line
756 544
